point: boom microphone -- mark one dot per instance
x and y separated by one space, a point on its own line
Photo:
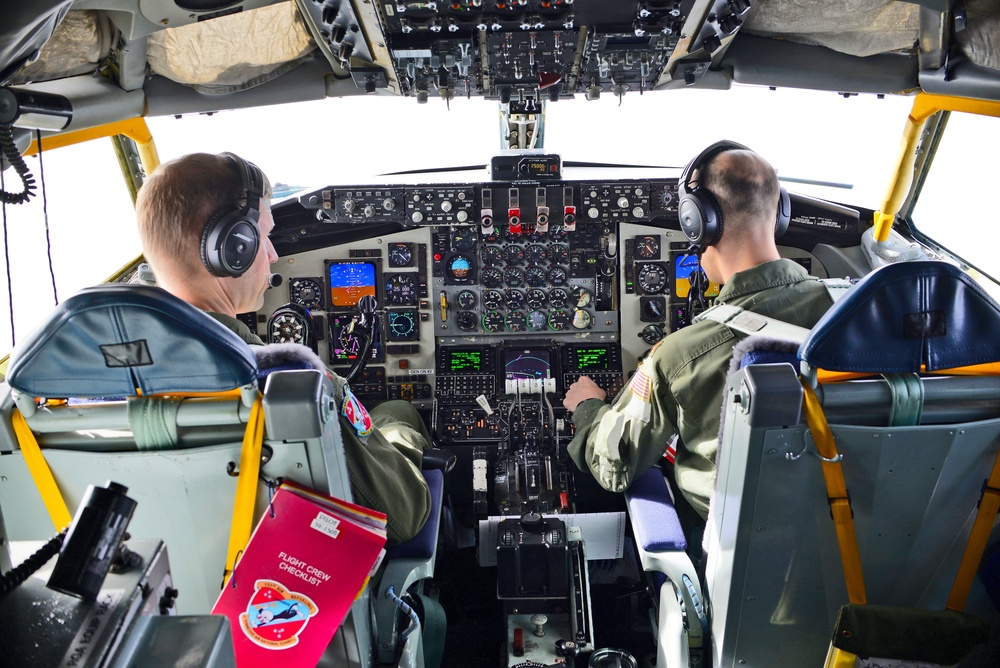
274 280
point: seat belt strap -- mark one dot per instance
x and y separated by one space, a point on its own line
748 322
40 472
836 491
246 485
989 504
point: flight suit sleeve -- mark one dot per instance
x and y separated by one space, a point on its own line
621 441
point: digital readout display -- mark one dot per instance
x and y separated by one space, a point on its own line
465 360
588 359
534 363
350 281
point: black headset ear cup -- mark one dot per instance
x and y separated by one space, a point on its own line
700 217
229 244
784 213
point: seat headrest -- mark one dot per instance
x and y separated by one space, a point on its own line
114 339
905 315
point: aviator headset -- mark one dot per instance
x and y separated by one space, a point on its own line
699 211
231 237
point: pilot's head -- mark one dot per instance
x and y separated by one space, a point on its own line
199 221
746 188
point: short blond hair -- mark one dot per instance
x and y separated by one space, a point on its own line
175 204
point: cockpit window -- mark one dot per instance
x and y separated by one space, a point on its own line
957 201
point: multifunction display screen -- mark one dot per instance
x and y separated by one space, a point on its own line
533 363
350 281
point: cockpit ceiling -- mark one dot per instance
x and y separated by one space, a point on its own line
505 50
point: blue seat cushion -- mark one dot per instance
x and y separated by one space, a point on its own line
422 545
654 517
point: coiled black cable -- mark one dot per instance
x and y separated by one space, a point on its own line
12 580
14 158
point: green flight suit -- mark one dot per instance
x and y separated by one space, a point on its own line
678 388
384 468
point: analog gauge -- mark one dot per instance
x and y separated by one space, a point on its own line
535 276
463 238
557 232
652 278
515 322
559 253
467 300
581 296
492 299
581 319
558 298
513 254
346 345
557 276
513 299
306 292
493 321
288 325
467 321
492 256
401 255
559 320
401 289
535 253
403 326
535 299
462 267
491 237
513 277
492 277
653 309
647 247
652 333
537 321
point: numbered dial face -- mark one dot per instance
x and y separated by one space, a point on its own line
559 320
401 255
535 276
492 256
647 247
536 299
287 326
515 322
401 290
559 254
537 321
493 321
513 299
403 325
467 300
581 297
492 277
492 300
513 277
513 254
557 232
652 279
536 253
306 292
463 238
558 298
557 276
467 321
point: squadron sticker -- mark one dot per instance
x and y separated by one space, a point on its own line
275 616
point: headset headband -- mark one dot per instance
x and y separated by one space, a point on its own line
684 183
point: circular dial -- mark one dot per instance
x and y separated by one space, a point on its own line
557 232
463 238
492 277
461 267
400 290
581 296
515 322
513 299
536 253
581 319
647 247
513 277
652 279
558 298
493 236
492 299
400 255
492 256
467 300
287 326
652 333
559 320
403 325
559 253
557 276
307 292
493 321
535 276
467 321
535 299
654 308
513 254
537 320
